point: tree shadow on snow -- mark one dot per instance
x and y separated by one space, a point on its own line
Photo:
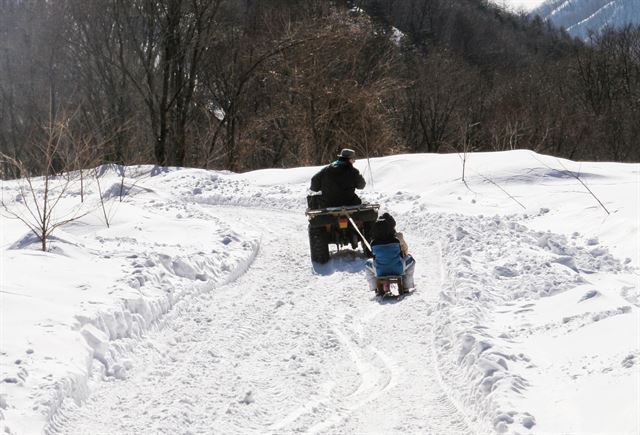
55 245
28 241
343 261
536 175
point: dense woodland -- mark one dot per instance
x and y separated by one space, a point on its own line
246 84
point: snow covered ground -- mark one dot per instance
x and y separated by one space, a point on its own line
198 311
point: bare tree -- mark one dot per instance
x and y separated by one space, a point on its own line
441 90
164 43
39 198
337 91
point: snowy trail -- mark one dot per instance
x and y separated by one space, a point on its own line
198 310
283 349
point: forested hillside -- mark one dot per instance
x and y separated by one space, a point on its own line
241 84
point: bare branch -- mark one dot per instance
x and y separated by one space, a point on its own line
577 177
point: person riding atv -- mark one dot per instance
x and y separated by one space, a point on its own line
338 182
337 215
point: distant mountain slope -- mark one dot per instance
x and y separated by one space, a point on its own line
578 17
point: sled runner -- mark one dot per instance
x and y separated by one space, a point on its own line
391 286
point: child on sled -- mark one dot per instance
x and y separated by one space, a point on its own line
390 256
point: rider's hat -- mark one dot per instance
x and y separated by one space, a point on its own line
347 154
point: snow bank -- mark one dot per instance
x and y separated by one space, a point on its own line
496 266
77 310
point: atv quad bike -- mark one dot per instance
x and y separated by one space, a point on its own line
336 225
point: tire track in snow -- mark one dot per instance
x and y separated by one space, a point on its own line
414 401
449 402
281 349
244 323
375 372
384 373
375 379
370 387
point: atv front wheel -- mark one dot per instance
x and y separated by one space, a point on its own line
319 244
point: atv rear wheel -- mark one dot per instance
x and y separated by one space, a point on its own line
319 244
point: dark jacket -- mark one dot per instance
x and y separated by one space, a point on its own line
338 182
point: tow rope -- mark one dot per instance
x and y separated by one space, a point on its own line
355 227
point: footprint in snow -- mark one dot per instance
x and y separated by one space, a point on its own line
248 398
588 295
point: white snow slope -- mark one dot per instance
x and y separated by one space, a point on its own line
198 311
579 17
518 5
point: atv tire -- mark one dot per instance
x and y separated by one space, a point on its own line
319 244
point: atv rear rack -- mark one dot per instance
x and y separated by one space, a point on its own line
342 226
342 210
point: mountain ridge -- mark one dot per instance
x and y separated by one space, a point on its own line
581 17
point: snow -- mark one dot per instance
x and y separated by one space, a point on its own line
197 309
581 17
519 5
